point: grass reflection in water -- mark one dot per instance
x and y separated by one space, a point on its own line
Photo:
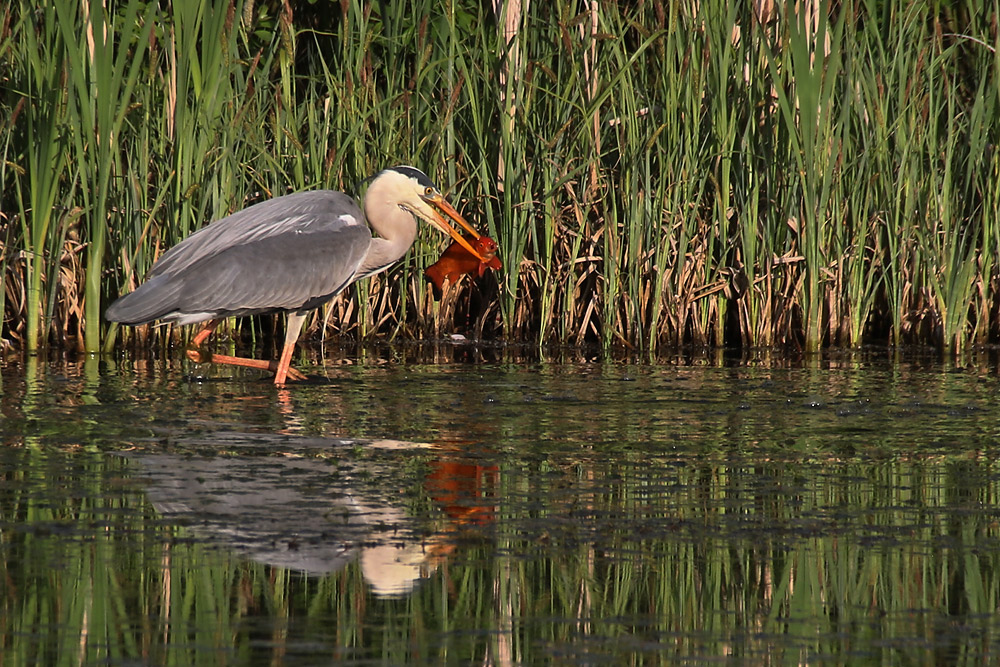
769 515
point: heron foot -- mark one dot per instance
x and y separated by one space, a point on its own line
290 374
199 356
296 375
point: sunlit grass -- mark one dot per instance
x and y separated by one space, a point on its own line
655 174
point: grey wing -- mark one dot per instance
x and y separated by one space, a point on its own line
288 272
304 211
308 260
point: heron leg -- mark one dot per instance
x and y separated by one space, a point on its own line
291 335
200 356
262 364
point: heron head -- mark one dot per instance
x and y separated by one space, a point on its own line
418 195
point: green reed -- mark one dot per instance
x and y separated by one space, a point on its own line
37 183
104 54
807 76
655 175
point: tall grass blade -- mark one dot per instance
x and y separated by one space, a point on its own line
45 157
104 55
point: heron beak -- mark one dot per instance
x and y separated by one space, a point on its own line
440 204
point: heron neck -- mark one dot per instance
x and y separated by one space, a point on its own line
396 229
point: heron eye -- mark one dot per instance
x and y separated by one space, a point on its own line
428 191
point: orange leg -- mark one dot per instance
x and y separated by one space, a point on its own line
284 364
206 331
196 354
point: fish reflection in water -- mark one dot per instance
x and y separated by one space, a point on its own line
305 514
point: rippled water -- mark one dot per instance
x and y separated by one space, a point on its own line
395 511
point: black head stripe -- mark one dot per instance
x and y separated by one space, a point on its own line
411 172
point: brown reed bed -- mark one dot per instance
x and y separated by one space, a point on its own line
656 173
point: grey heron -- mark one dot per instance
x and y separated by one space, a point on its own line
291 253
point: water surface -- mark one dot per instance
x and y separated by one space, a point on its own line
494 511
